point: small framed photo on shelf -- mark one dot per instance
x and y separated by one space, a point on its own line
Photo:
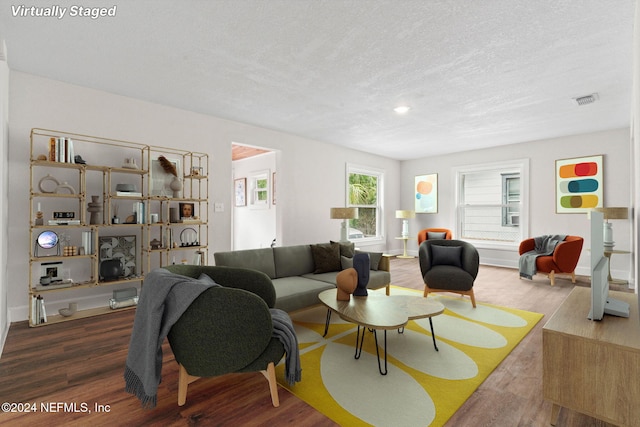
52 270
240 191
187 210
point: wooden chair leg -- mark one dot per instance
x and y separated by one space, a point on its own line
473 298
184 379
573 277
552 277
270 375
426 291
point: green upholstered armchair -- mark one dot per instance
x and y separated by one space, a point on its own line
449 266
227 328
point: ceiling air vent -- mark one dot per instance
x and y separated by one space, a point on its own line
588 99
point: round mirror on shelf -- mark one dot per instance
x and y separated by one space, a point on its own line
47 240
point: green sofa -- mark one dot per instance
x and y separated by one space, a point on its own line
299 273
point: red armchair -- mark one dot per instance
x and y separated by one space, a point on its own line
422 234
563 261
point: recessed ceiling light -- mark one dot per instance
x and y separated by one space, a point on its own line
402 109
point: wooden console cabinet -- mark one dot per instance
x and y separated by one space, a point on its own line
593 367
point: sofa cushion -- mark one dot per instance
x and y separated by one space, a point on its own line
446 255
326 257
293 260
346 262
377 279
255 259
295 293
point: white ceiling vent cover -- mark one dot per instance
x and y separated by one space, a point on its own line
588 99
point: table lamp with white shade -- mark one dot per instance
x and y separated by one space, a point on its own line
344 214
611 213
405 215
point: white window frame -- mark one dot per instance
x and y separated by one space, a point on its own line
379 174
254 201
523 166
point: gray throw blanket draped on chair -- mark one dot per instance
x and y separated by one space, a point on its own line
283 330
544 245
163 299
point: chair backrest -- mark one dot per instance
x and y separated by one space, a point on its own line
469 257
567 253
435 233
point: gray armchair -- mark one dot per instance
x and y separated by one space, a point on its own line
227 328
449 266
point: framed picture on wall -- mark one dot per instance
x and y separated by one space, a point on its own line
579 184
240 191
273 188
426 193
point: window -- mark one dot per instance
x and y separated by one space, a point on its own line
364 191
259 187
511 199
491 203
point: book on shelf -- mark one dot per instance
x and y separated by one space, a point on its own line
138 211
129 193
61 150
87 242
64 222
38 311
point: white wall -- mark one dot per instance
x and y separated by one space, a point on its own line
4 196
615 145
254 227
310 180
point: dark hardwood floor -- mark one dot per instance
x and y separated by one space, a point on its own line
82 362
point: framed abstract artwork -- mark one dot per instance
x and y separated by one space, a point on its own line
579 184
426 193
122 248
240 191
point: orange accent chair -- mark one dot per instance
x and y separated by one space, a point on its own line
563 261
424 234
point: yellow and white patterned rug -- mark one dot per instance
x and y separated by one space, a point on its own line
423 387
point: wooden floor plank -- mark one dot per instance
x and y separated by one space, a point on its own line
83 362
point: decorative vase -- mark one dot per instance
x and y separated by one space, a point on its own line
66 312
95 208
176 186
346 282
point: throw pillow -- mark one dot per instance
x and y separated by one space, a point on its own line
374 258
346 262
326 257
346 249
446 255
436 235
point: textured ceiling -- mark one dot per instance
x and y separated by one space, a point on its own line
475 73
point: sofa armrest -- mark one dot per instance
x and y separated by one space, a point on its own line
384 264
